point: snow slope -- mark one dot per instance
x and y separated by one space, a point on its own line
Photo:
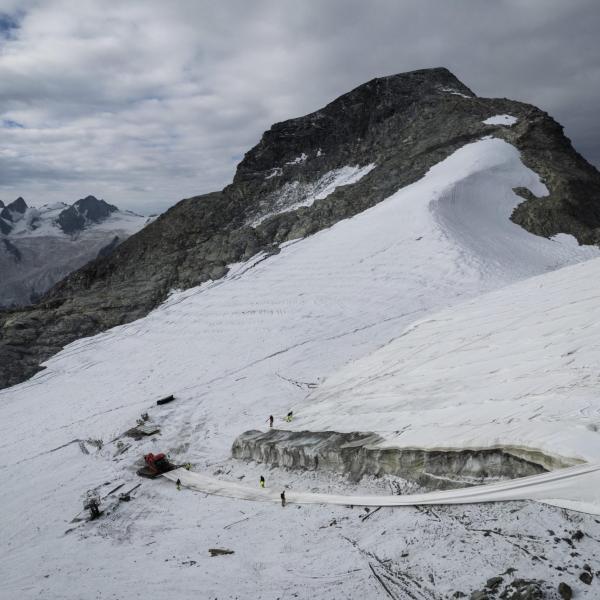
234 351
515 367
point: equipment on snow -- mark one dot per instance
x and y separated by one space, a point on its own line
142 430
165 400
220 551
156 464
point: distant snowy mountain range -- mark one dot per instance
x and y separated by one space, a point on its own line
39 246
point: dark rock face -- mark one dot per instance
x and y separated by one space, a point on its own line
7 214
108 249
565 591
88 209
403 124
17 206
586 577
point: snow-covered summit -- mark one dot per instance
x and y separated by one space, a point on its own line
59 218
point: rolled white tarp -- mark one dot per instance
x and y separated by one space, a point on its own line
576 488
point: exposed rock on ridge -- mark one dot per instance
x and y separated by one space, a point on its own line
403 124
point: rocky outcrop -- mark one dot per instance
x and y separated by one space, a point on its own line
5 228
16 207
10 214
402 124
84 212
358 453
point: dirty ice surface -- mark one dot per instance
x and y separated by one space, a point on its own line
252 344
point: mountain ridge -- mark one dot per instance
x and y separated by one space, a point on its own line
41 245
403 124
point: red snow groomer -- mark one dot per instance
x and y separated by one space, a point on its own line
156 464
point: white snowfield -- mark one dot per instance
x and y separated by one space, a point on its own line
577 488
501 120
254 343
514 368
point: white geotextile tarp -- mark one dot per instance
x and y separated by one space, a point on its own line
577 488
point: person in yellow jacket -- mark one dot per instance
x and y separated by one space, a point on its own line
262 482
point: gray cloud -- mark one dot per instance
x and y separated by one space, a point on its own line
146 102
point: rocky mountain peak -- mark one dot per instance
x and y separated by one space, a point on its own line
12 211
18 205
334 133
83 212
303 176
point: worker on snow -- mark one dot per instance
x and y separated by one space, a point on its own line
282 495
262 482
178 484
271 421
288 418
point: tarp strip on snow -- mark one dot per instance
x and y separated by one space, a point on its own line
576 488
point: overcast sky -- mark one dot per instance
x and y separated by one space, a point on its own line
145 102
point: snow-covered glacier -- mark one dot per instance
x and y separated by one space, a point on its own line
283 332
